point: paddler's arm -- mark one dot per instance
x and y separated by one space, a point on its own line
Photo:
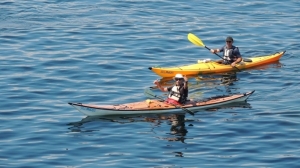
185 82
236 53
238 60
214 51
156 82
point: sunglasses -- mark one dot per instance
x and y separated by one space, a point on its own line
178 79
229 41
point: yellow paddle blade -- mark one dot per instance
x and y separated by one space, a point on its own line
195 40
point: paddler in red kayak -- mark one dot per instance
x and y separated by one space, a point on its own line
178 93
231 53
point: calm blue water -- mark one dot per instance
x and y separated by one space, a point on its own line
55 52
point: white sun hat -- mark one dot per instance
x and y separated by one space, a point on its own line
178 76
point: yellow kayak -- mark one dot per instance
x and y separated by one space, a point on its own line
212 67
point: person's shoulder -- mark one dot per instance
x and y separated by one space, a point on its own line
235 47
236 50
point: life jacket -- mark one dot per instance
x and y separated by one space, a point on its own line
176 95
228 55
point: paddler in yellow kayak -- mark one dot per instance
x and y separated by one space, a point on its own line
231 53
178 93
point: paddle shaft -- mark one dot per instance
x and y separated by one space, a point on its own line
184 109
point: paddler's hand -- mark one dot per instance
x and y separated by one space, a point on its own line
212 51
233 64
236 62
156 82
185 79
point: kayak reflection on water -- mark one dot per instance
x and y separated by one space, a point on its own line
229 78
199 81
177 122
